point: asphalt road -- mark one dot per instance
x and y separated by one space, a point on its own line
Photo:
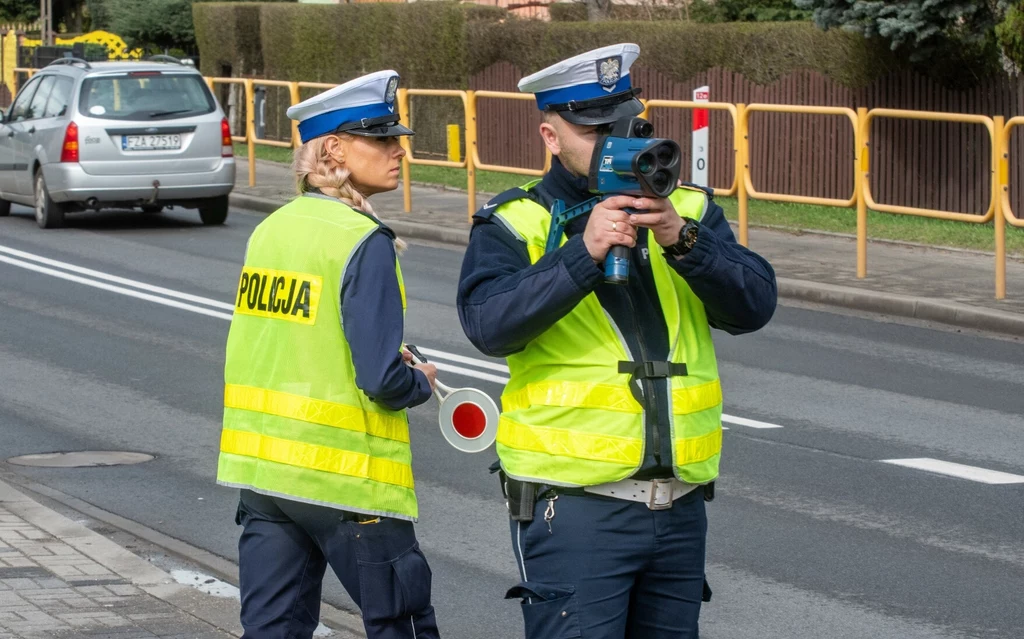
812 534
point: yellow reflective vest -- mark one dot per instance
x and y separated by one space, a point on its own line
295 424
569 417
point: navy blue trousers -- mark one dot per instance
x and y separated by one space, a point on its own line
283 555
611 569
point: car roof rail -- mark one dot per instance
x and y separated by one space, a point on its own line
70 60
164 58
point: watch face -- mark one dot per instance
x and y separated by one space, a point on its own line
690 235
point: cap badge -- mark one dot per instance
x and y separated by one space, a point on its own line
608 71
392 90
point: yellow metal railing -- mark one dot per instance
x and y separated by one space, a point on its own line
293 97
474 96
711 106
250 120
408 159
998 209
934 117
994 128
748 190
28 72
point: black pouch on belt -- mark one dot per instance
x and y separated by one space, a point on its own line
520 496
709 491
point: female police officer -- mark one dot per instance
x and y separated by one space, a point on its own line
315 432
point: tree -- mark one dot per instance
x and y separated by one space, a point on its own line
917 26
67 12
162 23
166 24
759 11
1010 33
598 10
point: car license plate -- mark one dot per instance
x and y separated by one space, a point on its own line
150 142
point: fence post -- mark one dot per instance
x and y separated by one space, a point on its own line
403 114
860 168
250 129
293 95
470 145
742 154
1000 159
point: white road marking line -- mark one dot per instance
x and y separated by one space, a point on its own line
113 289
462 359
751 423
117 280
442 355
468 372
217 588
973 473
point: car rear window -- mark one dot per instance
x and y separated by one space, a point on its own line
150 95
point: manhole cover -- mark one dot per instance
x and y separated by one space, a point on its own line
81 458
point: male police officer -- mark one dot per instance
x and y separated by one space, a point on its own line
612 415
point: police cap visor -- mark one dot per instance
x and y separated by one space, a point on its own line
601 114
383 131
385 127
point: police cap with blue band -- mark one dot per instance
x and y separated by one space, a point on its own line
364 106
589 89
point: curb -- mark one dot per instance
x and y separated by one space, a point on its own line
919 308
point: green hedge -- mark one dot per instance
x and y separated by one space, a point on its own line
229 34
424 41
699 11
442 44
763 52
696 11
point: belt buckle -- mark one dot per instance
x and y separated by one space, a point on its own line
654 503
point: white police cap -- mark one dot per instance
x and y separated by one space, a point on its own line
590 88
364 106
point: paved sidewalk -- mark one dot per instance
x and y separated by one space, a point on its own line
943 285
59 579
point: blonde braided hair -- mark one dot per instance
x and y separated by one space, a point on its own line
315 169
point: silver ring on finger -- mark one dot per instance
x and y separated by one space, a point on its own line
615 226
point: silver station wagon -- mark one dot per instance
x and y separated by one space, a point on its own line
83 136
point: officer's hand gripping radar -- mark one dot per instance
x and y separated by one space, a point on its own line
626 162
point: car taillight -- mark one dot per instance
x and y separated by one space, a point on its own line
226 150
69 152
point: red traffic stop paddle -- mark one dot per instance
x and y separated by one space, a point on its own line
468 417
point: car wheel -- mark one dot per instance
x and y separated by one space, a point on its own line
49 214
152 209
214 211
5 208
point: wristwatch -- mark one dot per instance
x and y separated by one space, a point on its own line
687 239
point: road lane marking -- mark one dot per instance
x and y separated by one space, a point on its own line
750 423
34 262
972 473
462 359
113 289
468 372
442 355
114 278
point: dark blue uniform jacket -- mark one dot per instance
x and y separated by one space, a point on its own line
504 301
372 317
